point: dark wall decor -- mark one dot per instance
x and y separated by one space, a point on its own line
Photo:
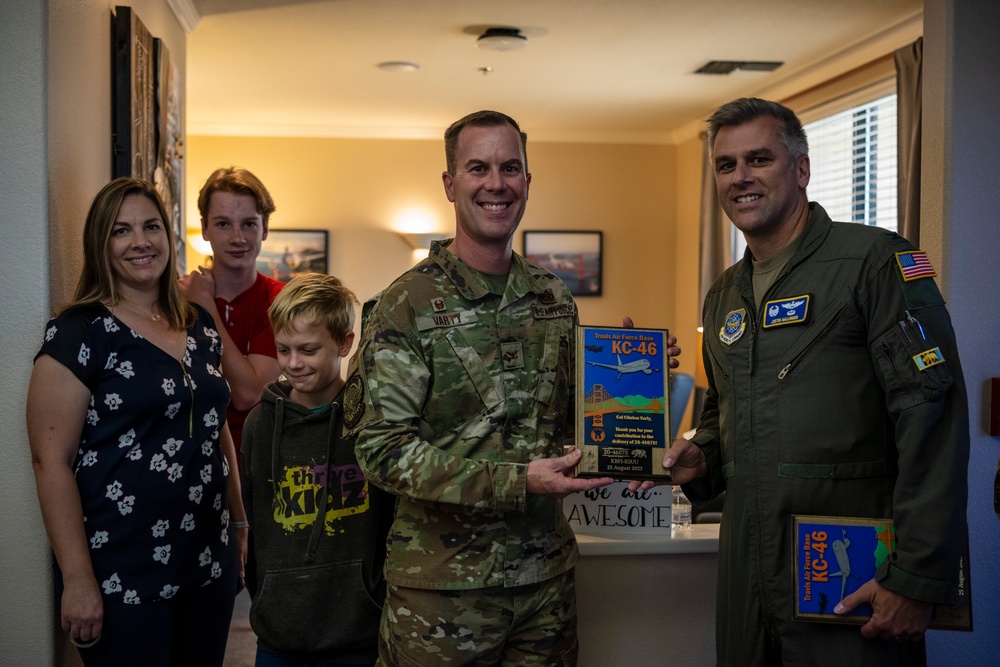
133 93
145 104
167 174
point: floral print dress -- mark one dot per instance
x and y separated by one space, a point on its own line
150 468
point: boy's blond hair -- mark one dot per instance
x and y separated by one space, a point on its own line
324 300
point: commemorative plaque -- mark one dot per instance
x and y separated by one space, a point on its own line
622 402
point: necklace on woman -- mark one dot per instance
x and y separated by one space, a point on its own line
152 314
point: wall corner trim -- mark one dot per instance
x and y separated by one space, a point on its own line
187 14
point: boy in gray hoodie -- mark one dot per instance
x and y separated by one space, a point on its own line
319 529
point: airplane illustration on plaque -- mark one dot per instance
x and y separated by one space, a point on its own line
642 365
844 562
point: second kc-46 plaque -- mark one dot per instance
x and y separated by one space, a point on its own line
622 402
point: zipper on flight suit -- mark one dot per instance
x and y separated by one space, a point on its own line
765 605
788 367
825 327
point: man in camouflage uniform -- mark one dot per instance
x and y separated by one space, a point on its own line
835 389
461 398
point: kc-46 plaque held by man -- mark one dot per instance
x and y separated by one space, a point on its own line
622 402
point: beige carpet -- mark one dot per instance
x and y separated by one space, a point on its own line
242 647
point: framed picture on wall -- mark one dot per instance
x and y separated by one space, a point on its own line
133 97
286 253
145 121
573 256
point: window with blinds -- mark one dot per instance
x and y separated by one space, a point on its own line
853 162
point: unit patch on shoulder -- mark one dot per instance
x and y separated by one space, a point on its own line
790 310
736 324
914 264
354 400
928 358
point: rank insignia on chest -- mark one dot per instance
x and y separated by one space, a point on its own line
790 310
547 296
437 304
736 324
928 358
512 354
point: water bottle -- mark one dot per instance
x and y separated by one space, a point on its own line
680 510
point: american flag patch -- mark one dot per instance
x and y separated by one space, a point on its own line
914 264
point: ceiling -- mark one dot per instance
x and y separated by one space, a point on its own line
592 70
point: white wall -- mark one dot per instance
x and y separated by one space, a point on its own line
79 112
25 635
959 213
55 154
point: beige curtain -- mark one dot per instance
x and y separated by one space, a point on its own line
716 233
909 61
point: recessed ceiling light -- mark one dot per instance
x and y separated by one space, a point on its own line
398 66
502 39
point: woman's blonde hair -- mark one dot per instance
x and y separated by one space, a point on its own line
97 279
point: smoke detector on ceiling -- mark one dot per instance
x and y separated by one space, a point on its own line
502 39
730 66
398 66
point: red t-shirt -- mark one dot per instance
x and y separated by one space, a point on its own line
245 318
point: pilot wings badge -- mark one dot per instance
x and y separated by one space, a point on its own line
736 324
790 310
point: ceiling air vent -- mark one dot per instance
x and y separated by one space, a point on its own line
730 66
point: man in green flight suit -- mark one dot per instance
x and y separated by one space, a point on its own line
834 389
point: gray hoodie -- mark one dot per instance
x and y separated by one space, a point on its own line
320 585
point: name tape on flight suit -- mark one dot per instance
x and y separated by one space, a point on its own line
790 310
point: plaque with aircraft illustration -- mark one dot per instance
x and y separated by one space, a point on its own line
834 556
622 402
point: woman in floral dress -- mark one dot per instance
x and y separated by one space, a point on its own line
132 457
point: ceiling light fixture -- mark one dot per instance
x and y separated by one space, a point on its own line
502 39
730 66
398 66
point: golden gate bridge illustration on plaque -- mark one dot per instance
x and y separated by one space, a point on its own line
622 402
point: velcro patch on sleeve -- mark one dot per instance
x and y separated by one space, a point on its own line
928 358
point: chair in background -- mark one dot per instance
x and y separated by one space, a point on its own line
681 385
680 393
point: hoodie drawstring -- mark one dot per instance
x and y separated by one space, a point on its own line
317 530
